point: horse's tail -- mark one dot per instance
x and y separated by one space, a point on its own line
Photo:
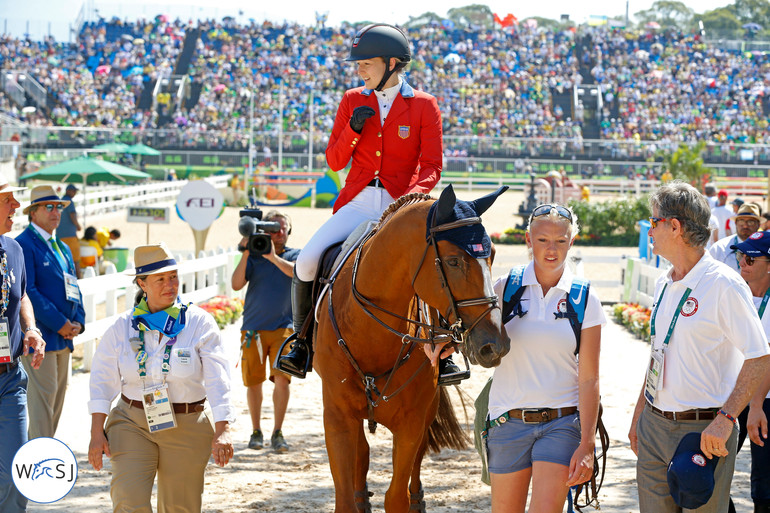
446 432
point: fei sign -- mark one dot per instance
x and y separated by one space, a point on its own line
199 204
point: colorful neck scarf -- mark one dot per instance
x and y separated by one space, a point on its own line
170 321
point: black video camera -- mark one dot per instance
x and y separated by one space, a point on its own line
258 231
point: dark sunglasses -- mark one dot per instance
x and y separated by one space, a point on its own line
49 207
655 220
749 259
544 210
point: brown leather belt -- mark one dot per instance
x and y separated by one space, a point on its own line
8 367
697 414
539 415
197 406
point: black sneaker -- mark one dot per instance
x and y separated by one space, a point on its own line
278 443
449 373
256 440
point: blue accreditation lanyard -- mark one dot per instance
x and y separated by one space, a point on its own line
764 303
673 321
142 356
6 286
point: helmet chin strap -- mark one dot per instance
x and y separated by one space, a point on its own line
388 73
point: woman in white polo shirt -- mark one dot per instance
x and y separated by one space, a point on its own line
754 258
162 360
535 433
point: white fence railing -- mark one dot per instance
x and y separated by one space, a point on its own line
111 198
107 296
639 281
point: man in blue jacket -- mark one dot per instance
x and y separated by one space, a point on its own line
52 287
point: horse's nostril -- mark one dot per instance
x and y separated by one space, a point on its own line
487 350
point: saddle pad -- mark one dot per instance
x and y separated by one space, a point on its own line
351 243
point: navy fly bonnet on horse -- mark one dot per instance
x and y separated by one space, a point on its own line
472 238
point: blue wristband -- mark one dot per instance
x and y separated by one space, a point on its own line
730 417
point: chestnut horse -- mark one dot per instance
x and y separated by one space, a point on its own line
368 341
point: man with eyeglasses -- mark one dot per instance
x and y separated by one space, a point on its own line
746 221
708 355
52 287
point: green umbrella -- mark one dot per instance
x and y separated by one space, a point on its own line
113 147
86 170
142 149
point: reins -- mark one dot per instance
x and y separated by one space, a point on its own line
454 333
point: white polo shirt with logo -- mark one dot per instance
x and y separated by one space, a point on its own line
541 369
717 330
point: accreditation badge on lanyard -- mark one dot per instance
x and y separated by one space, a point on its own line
71 288
158 408
654 380
5 342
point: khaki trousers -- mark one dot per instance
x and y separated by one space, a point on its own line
178 456
45 393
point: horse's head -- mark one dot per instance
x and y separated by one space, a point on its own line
455 276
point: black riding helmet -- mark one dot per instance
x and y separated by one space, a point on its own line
381 40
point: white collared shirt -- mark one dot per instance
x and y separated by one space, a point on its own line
541 369
385 99
46 236
713 336
721 252
202 372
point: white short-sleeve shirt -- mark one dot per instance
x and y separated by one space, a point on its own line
541 369
765 320
721 252
717 330
199 367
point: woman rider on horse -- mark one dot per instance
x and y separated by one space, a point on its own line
392 133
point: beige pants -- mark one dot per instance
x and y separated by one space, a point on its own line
179 457
45 392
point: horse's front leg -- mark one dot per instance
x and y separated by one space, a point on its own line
416 494
407 442
345 437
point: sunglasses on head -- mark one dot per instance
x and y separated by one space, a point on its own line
544 210
655 220
749 259
49 207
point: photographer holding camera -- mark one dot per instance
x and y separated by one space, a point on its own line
267 268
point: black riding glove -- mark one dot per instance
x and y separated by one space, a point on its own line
360 114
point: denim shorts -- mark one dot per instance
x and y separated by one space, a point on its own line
514 446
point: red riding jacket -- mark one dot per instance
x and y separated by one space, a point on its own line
405 153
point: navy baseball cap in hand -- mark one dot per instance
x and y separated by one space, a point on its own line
690 474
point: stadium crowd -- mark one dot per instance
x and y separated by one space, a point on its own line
660 86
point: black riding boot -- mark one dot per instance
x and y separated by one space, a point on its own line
449 373
299 360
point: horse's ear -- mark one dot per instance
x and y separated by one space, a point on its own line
482 204
446 204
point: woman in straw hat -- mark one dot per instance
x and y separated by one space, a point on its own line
173 353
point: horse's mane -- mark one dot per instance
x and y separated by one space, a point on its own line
409 199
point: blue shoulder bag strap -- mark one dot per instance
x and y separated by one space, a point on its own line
512 293
576 307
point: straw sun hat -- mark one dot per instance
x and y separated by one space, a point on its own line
43 194
152 259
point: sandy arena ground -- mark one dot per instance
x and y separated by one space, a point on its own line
300 480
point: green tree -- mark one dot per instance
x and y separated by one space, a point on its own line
669 13
422 20
752 11
686 163
720 19
475 14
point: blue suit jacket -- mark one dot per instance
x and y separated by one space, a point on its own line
45 288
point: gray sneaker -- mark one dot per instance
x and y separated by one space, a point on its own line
256 441
278 443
